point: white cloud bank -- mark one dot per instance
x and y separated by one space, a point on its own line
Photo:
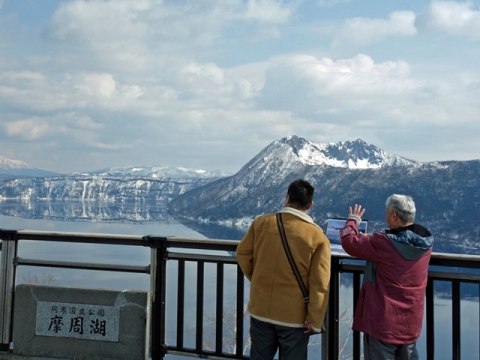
210 83
455 18
362 31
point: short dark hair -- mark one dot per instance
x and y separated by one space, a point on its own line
300 193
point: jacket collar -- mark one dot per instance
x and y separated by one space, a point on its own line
298 213
411 241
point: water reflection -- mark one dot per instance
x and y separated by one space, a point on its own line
82 212
85 210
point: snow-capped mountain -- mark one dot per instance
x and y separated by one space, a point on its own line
282 161
12 164
147 185
293 153
20 168
356 154
447 193
156 172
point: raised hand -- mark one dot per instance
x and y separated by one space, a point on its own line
356 213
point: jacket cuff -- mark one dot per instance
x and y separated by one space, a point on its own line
357 219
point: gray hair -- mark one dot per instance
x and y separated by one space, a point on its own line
403 205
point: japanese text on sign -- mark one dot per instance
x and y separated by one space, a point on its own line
84 321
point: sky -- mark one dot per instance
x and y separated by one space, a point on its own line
207 84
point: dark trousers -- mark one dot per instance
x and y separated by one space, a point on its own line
375 349
292 343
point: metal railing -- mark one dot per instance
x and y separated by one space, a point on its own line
223 334
451 270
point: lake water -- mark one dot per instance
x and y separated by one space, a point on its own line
141 256
125 255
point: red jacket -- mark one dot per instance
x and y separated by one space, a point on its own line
390 305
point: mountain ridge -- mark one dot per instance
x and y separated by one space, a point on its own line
343 173
349 154
352 154
13 167
443 191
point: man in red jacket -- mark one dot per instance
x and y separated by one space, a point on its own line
389 310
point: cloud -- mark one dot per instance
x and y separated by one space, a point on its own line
310 85
453 18
331 3
30 91
130 29
268 11
358 97
212 84
209 83
66 131
362 31
28 129
102 85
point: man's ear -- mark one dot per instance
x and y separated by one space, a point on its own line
309 205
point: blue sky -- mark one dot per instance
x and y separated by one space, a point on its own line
207 84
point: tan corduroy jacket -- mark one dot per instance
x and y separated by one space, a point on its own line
275 295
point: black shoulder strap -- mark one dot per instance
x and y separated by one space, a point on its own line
281 230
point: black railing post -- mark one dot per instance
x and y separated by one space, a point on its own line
333 329
200 307
456 316
356 334
158 280
7 285
430 320
180 303
239 316
219 309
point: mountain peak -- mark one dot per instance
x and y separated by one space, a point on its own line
358 154
20 168
353 154
12 164
306 152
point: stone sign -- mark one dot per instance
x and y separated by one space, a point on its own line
81 321
54 322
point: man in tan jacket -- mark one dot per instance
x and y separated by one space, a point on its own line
280 317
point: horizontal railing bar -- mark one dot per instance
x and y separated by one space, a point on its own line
454 276
83 266
351 268
119 239
195 242
202 355
453 256
230 259
437 259
461 260
114 239
436 275
204 244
